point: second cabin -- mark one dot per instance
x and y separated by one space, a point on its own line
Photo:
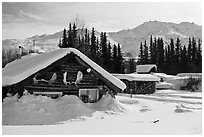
57 73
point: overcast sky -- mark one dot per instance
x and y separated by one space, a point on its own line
22 20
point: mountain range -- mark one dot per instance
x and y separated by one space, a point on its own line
129 39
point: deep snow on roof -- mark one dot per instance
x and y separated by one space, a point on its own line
137 77
163 75
145 68
19 70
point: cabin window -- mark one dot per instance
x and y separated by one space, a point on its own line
89 95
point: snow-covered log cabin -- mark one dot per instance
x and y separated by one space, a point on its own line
146 69
138 83
60 72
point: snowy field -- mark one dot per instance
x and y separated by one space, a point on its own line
167 112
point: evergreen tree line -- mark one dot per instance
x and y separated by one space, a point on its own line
173 58
97 49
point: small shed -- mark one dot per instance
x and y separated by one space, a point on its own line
62 71
146 69
138 83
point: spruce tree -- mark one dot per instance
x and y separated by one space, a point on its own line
83 47
141 54
199 57
79 47
199 52
115 57
194 50
168 55
109 57
64 39
172 57
93 45
151 51
178 67
146 55
74 36
120 60
184 60
86 43
70 40
160 52
98 51
189 50
132 65
177 49
104 50
155 51
165 54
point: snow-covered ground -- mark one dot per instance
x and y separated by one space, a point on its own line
167 112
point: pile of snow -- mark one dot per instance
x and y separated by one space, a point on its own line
164 85
166 112
42 110
107 103
176 81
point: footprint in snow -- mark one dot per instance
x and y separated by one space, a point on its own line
179 110
144 110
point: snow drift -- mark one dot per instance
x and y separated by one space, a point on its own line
42 110
164 85
166 112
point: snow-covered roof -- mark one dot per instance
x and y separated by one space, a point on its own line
163 75
192 75
19 70
145 68
137 77
168 77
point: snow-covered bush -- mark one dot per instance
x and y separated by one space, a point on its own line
193 84
10 54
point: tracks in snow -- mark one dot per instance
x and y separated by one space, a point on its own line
169 98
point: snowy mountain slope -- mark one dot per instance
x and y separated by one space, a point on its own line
130 39
46 42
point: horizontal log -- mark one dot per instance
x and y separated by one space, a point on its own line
50 88
71 66
40 92
61 87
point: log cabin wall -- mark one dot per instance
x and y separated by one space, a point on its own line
70 65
